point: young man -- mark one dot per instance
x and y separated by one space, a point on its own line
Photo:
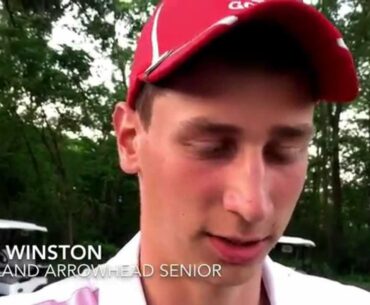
217 123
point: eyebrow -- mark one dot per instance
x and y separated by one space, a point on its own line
204 125
288 132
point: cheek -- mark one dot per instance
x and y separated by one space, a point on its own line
197 184
286 187
196 189
175 185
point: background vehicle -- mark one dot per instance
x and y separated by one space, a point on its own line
294 252
18 233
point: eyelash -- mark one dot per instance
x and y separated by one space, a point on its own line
222 149
227 148
284 155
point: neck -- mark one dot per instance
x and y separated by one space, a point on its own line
191 292
161 290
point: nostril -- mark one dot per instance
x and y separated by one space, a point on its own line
252 208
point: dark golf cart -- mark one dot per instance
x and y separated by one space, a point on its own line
294 252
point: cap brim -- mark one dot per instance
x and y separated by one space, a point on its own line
330 57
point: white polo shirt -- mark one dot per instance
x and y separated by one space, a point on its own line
284 286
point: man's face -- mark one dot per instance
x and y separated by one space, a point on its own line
221 167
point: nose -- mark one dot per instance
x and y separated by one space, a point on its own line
247 191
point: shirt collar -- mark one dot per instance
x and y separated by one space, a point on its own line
113 288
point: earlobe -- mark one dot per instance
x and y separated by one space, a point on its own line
126 130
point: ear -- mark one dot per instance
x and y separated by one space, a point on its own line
125 122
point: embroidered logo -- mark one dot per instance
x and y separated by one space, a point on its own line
243 4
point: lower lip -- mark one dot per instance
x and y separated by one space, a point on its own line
237 254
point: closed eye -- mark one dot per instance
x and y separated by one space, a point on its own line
213 149
279 154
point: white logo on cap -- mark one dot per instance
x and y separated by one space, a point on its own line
241 5
341 43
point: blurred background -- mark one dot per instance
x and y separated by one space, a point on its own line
63 66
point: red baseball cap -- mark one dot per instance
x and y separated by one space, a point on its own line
180 28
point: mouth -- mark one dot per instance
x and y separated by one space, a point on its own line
236 250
